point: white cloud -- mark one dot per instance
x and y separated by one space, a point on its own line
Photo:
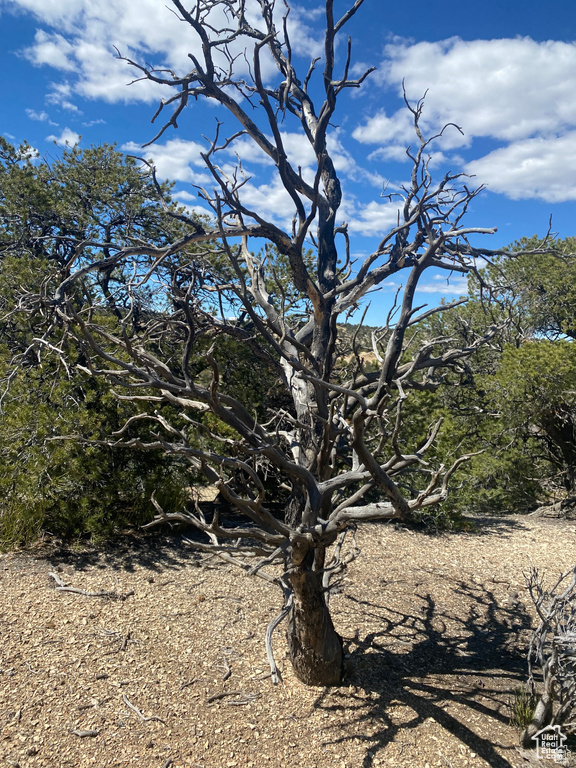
248 152
67 138
516 92
31 153
303 41
455 285
177 160
347 165
542 168
180 160
387 130
397 153
507 89
271 200
111 79
394 152
84 33
41 117
297 148
53 11
51 49
189 202
301 156
374 219
60 95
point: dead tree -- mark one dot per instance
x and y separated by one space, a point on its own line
335 450
553 650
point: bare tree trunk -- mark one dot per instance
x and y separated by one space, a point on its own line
542 717
314 646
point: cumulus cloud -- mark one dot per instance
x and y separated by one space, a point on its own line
543 168
301 156
271 200
67 138
374 219
180 160
177 160
51 49
53 11
60 95
84 32
247 152
507 89
190 202
110 79
386 129
518 93
90 123
303 40
455 285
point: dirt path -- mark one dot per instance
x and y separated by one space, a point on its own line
435 629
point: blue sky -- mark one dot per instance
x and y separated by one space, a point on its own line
503 71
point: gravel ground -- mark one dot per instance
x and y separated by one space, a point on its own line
169 668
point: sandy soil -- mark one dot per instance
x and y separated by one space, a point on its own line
171 669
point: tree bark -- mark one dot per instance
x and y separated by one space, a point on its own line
314 646
545 706
294 507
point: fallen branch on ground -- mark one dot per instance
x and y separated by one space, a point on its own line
246 698
63 587
188 683
139 713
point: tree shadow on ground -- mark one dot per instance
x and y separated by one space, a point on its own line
502 525
158 549
161 548
429 661
475 525
155 552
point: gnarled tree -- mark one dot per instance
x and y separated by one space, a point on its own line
332 449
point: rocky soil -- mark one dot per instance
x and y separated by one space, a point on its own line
168 667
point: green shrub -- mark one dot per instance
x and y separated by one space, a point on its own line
522 706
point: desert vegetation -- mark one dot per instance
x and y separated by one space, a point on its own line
147 351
